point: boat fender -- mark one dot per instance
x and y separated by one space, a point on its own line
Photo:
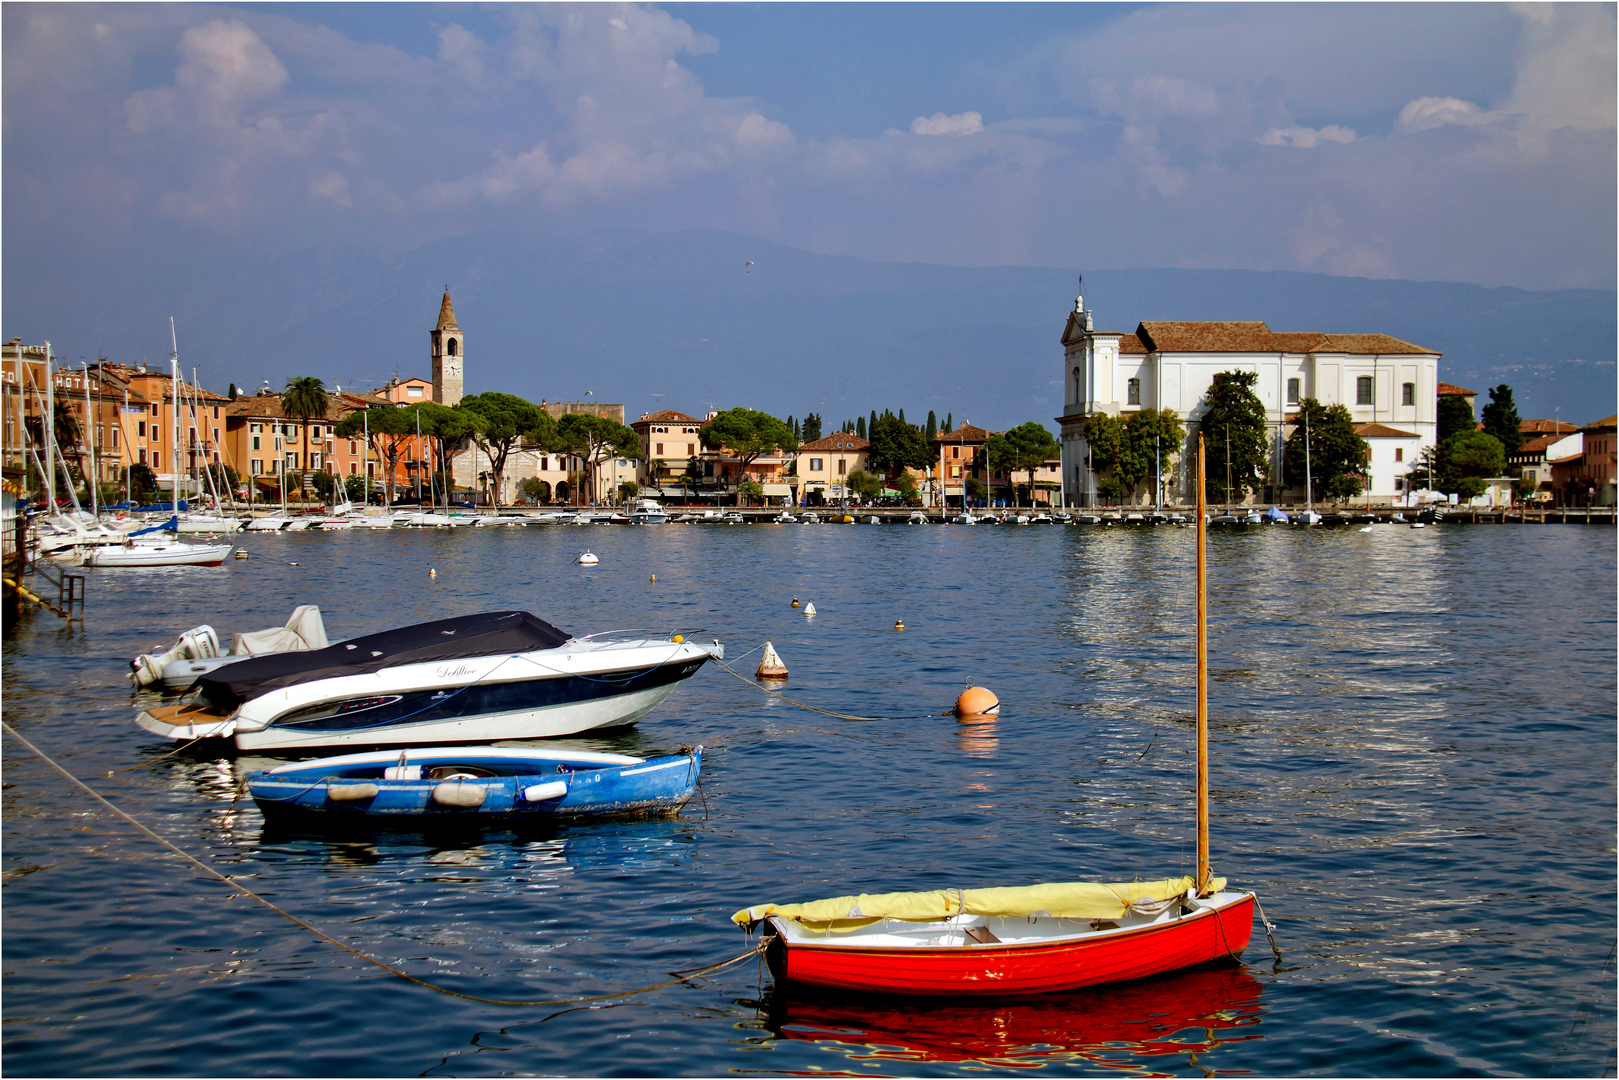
402 772
351 792
554 789
456 793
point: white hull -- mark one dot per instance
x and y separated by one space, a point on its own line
170 554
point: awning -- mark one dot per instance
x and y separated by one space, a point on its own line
777 490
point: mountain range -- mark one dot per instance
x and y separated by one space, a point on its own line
692 318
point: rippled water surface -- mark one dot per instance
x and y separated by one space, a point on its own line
1413 764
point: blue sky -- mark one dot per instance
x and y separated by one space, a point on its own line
1442 142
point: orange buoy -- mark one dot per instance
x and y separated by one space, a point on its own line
977 701
795 602
899 624
770 665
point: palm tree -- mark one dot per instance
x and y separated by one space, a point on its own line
305 398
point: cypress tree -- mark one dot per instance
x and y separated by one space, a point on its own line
933 425
873 421
860 426
949 422
902 416
231 393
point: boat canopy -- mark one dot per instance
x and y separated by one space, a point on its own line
491 633
1058 900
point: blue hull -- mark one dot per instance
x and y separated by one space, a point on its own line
528 791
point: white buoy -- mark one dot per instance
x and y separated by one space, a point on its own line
770 665
1367 528
432 572
809 609
587 559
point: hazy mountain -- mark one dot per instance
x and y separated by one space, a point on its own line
628 315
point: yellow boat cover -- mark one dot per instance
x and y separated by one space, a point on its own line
1060 900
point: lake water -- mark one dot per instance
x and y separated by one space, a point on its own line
1413 743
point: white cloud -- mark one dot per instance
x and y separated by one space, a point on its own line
967 123
1427 113
1304 137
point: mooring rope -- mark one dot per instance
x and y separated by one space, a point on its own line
813 708
679 976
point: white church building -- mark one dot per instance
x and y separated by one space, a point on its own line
1389 386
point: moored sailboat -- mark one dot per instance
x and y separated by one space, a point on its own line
1031 939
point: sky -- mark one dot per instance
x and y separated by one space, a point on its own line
1450 142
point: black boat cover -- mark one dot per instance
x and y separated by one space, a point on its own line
491 633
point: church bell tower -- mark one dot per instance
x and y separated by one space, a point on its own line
448 353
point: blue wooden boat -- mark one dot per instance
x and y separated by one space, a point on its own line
497 784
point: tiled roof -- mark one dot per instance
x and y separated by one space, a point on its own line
1571 459
668 416
1447 390
1546 427
446 314
1382 431
338 405
1207 337
966 433
1606 423
1129 343
1536 446
840 440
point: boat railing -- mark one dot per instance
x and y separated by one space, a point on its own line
643 631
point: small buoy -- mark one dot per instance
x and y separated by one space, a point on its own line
432 572
587 559
899 624
809 609
241 554
292 564
653 579
977 701
795 601
677 639
770 665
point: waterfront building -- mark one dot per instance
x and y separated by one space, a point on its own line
1588 479
262 442
1539 429
670 442
823 466
1380 379
1534 459
411 391
959 455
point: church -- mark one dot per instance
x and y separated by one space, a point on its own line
1390 387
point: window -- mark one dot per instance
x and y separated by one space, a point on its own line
545 464
1408 393
843 466
1292 391
1399 452
1363 390
216 436
154 409
292 461
354 468
314 432
140 428
354 446
216 412
314 461
143 455
256 466
1133 392
455 347
157 460
955 453
660 450
413 391
115 438
816 464
955 472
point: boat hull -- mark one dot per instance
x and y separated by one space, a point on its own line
160 555
1213 933
653 786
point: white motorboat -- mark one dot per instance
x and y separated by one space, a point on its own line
197 652
786 518
964 518
874 520
735 519
1307 517
648 512
268 523
426 520
917 518
372 521
812 518
1039 519
471 679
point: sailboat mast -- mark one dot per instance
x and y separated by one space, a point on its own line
1202 685
1309 491
49 428
174 432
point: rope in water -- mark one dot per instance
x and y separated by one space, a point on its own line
679 976
806 705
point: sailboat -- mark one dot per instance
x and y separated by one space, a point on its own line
1031 939
1309 517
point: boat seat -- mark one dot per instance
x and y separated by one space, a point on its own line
983 935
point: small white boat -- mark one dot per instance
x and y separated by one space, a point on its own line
370 521
1016 519
1039 519
1307 517
1088 519
268 523
874 520
735 519
426 520
917 518
812 518
648 512
964 519
786 519
1253 517
160 553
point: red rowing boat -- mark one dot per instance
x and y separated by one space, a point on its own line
1034 939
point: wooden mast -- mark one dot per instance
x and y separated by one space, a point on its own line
1202 686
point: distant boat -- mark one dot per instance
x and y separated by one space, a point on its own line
149 547
500 784
648 512
1032 939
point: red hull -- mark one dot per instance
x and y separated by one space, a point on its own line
992 971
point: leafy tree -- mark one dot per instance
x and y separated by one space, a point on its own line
1110 491
1501 419
1473 454
1132 447
448 432
628 491
905 484
354 487
975 488
388 431
1337 456
749 490
864 484
597 438
860 426
694 473
812 428
747 435
508 422
933 425
896 446
534 489
1454 415
1026 446
1235 410
305 398
142 482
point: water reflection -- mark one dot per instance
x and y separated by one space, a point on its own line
976 735
1152 1028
